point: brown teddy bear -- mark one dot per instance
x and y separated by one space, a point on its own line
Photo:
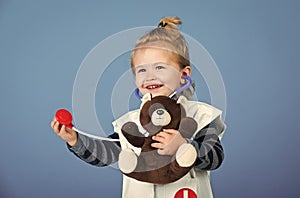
156 114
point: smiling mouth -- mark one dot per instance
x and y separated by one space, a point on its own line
153 86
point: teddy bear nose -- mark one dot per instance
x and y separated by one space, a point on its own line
159 112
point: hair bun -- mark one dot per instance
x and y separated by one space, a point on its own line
169 22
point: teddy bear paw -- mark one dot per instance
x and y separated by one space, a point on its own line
127 160
186 155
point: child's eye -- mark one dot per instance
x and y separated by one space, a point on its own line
141 70
159 67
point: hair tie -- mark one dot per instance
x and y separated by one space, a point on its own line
162 24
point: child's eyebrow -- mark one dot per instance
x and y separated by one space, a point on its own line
134 69
139 66
147 64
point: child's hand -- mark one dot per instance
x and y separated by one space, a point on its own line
67 134
169 140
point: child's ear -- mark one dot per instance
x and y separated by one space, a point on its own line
186 71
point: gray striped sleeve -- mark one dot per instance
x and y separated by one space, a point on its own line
96 152
209 149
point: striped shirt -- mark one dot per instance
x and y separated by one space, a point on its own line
100 153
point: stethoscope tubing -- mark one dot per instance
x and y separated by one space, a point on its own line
137 93
94 136
179 90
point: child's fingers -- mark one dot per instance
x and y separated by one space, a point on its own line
167 133
161 135
53 121
165 136
159 139
64 130
69 130
52 124
157 145
56 127
170 131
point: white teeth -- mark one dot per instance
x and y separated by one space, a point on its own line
153 86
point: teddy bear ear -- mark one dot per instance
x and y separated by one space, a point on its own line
183 101
147 97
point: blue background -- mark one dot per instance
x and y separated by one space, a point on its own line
254 43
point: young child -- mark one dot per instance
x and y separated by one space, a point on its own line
159 61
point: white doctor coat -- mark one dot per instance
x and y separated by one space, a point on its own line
198 181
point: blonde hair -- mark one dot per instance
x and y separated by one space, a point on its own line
168 37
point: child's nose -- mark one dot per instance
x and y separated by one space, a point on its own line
150 76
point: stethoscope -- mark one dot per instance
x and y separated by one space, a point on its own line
179 90
64 117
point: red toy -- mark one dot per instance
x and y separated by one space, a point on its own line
64 117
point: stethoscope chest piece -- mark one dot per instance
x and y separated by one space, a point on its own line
64 117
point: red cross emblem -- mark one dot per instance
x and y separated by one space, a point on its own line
185 193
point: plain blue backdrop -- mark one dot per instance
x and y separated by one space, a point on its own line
254 43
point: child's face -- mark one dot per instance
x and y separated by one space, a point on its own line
156 71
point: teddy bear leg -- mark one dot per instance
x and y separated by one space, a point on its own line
186 155
127 161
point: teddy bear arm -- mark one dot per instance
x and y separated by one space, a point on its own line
187 127
131 133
